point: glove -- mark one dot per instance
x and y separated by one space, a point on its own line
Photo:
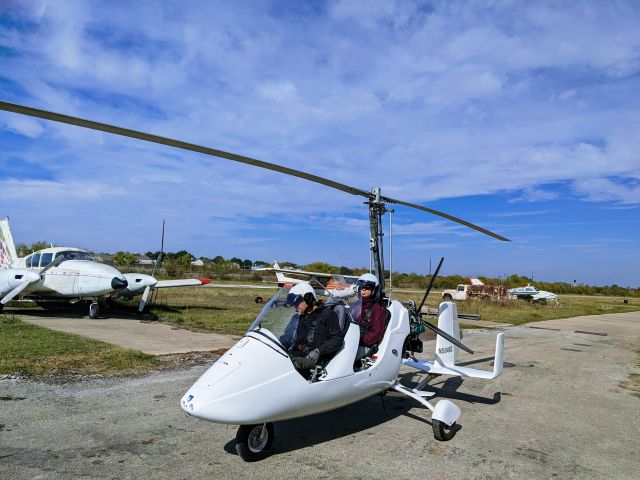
314 356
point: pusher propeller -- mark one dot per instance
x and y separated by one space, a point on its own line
435 329
103 127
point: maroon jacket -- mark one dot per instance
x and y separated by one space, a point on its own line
371 321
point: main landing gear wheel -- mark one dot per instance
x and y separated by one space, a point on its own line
94 310
253 442
442 432
447 297
259 300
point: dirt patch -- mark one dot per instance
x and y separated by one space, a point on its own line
176 361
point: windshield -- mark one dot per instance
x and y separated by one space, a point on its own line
280 317
75 255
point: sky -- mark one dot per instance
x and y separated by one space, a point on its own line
521 117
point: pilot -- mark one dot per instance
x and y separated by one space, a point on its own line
318 334
368 314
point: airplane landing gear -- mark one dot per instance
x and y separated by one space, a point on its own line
442 432
94 310
253 442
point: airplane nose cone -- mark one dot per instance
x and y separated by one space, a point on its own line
119 283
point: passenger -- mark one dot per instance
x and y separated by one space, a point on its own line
318 335
368 314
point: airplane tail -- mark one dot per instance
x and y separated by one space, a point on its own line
8 253
447 352
279 275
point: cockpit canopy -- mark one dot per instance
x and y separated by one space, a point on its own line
280 316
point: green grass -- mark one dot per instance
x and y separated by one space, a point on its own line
32 350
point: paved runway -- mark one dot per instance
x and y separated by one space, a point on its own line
568 408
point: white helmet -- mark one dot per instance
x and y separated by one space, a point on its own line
369 280
299 292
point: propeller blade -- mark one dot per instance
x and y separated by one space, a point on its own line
57 261
433 277
13 293
159 257
145 296
125 132
446 336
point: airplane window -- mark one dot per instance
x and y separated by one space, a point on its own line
75 255
45 259
28 261
35 259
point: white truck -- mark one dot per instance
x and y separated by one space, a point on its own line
483 292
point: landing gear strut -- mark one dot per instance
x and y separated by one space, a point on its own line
94 310
253 442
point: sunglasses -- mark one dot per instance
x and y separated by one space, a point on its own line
367 287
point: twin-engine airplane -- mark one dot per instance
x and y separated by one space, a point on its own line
330 284
255 383
72 274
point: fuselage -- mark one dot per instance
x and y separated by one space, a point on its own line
78 276
255 381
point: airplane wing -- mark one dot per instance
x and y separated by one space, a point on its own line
188 282
307 273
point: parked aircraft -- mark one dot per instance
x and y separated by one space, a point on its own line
72 274
338 286
533 294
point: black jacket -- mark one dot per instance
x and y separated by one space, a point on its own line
328 336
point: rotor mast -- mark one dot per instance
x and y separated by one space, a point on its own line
376 210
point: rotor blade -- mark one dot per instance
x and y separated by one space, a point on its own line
13 293
447 216
446 336
433 277
125 132
145 296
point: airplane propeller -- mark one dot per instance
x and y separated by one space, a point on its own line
26 279
103 127
148 288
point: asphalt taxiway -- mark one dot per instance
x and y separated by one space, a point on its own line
568 406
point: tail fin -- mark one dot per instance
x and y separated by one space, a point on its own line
447 352
499 358
279 275
8 253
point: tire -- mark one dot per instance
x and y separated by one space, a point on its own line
94 310
443 433
259 300
253 442
447 297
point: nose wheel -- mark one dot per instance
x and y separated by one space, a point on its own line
94 310
253 442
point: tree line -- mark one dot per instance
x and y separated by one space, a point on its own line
177 264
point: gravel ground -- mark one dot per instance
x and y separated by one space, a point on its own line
569 407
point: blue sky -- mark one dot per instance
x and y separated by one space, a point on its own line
522 117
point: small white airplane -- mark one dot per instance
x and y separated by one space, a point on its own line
72 274
533 294
329 284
